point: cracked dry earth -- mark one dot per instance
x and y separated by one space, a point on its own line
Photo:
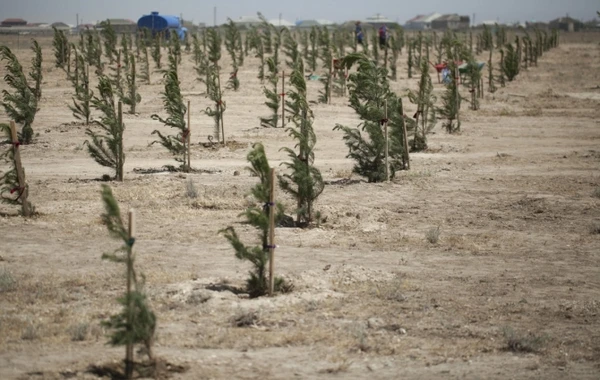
509 290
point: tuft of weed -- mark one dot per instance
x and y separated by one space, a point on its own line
596 193
196 298
31 332
79 332
433 235
245 318
190 189
7 281
523 342
595 228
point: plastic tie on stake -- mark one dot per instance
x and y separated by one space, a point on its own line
270 246
383 121
130 242
16 144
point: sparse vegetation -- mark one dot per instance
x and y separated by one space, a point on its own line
433 235
523 341
7 281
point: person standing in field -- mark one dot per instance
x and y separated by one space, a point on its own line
358 32
383 36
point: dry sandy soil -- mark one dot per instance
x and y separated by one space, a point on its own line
516 198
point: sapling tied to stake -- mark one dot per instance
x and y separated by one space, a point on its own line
106 147
273 96
12 191
20 104
232 38
369 92
131 97
425 115
156 52
510 63
36 69
327 58
145 70
81 107
214 91
60 46
258 217
125 50
176 109
136 323
304 182
313 53
110 40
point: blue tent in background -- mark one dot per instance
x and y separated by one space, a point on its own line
162 24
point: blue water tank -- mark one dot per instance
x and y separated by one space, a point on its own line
158 23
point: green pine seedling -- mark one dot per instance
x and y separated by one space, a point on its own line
313 53
510 64
36 69
110 41
156 52
60 46
21 104
425 101
131 97
369 90
10 191
176 109
273 96
304 182
81 107
258 217
106 147
136 323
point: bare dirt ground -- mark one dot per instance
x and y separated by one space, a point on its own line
515 197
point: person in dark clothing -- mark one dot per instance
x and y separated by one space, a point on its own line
383 36
358 32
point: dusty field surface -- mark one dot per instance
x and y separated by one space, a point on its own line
515 196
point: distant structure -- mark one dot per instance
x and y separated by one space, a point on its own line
308 24
421 22
120 25
451 22
247 22
162 24
10 22
282 23
566 24
377 21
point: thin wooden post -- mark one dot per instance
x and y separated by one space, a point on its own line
121 157
22 190
272 232
189 138
457 98
387 143
129 346
220 107
330 82
282 99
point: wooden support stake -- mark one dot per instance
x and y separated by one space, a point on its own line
387 143
272 232
406 155
282 99
330 82
23 190
129 346
189 138
121 158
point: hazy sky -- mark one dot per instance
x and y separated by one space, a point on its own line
338 10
